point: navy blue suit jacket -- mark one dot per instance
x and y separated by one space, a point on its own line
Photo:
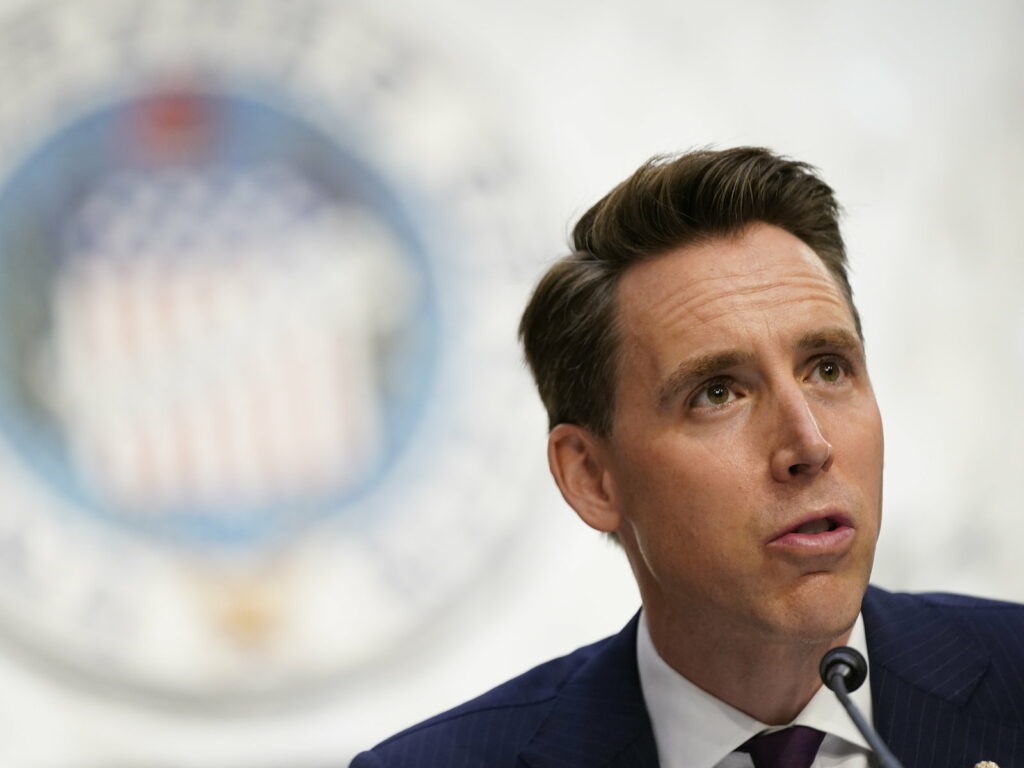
947 684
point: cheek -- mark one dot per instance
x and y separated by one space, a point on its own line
686 495
867 448
700 512
666 476
862 461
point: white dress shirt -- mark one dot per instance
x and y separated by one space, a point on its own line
693 729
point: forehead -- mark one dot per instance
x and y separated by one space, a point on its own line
729 290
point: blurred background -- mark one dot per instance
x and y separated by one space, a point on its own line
272 476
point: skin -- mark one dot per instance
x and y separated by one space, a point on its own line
743 410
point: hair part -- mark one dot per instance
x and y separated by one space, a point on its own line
569 329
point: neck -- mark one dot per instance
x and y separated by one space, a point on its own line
767 678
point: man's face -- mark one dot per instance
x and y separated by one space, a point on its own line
745 458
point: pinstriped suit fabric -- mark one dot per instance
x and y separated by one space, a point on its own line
947 677
947 680
491 738
585 709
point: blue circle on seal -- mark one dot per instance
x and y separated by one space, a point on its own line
152 175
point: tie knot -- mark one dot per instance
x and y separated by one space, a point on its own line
793 747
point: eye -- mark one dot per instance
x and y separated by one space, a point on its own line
713 394
831 370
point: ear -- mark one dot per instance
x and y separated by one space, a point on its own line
578 462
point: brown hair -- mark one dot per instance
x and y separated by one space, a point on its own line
569 328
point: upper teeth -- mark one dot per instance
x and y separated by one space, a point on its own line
820 525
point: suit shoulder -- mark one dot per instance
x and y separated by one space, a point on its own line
981 618
946 602
489 729
949 604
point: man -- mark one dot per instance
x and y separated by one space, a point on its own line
701 361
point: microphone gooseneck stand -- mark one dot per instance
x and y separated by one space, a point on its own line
844 670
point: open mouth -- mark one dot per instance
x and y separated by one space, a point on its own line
820 525
823 534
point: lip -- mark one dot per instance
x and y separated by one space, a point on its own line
832 542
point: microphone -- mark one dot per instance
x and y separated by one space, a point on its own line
844 670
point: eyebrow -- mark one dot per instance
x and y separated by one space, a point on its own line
706 366
836 338
697 368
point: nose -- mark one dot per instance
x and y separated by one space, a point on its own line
800 448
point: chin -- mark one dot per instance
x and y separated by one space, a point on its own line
821 613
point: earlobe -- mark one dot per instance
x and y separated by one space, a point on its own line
578 464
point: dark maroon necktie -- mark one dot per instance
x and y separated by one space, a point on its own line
793 747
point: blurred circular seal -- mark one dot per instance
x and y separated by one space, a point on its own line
260 400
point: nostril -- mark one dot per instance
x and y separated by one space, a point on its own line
799 456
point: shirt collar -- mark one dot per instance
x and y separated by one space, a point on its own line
693 728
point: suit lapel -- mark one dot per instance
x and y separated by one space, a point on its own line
924 672
599 718
911 640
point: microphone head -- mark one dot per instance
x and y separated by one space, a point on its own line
846 665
